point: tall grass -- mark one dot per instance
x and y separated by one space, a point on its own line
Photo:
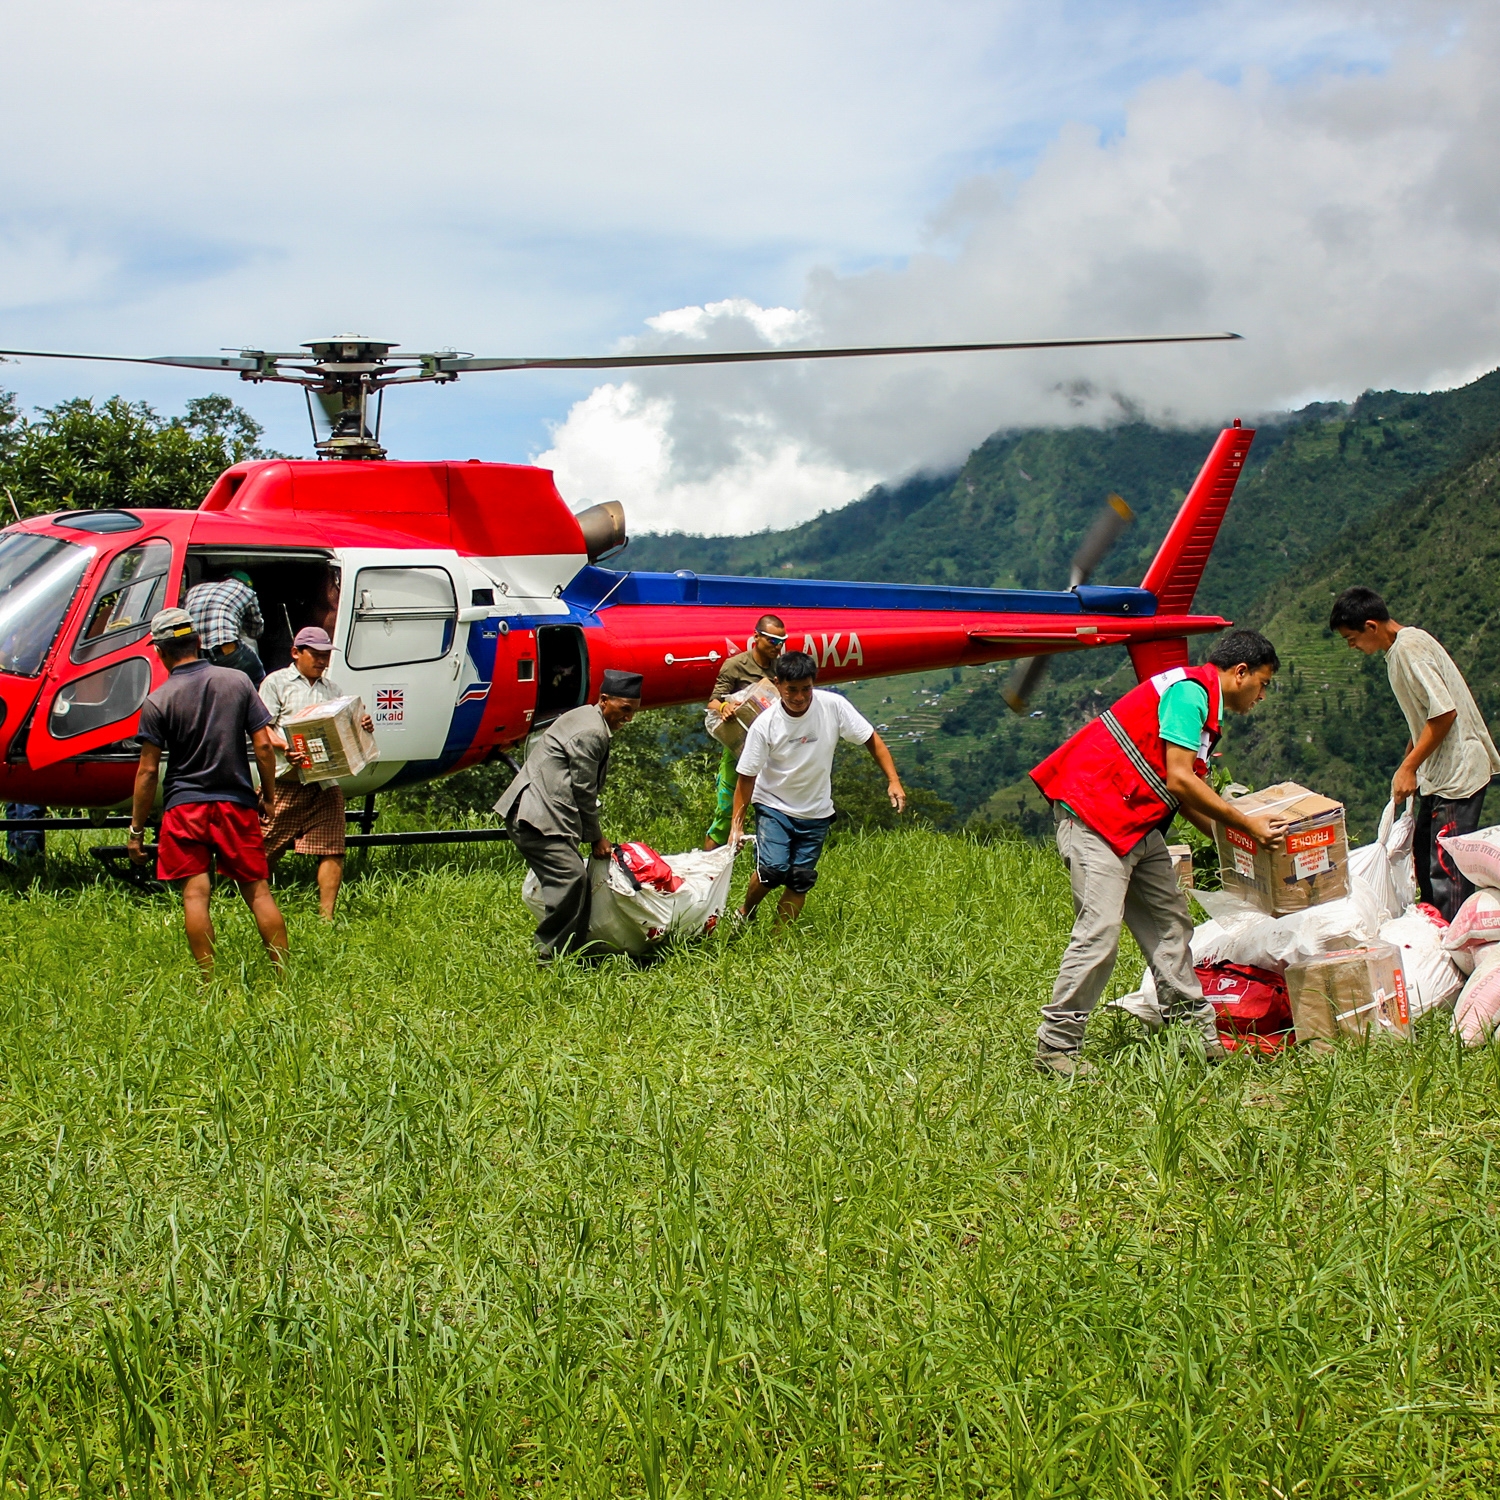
769 1217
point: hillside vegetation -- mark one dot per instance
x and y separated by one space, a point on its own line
773 1217
1332 492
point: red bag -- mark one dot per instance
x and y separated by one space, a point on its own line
1251 1005
645 866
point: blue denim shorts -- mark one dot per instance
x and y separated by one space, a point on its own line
787 848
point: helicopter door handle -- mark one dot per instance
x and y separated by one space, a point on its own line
678 661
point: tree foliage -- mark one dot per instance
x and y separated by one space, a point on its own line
79 455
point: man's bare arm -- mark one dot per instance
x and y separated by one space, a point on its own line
1195 795
1434 732
893 788
744 790
144 795
265 760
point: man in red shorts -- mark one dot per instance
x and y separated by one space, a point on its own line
200 716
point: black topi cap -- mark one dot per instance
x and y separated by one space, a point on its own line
621 684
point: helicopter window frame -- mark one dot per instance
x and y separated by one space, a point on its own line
125 683
375 615
142 592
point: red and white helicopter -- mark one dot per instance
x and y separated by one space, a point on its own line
469 605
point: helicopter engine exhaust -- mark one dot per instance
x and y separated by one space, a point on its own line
603 529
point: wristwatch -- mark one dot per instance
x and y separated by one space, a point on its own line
135 833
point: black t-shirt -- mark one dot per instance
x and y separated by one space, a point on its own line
200 716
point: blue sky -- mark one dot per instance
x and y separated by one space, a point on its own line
181 176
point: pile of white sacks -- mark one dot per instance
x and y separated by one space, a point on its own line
1381 907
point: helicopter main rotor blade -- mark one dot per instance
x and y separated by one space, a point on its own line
190 361
462 365
1025 680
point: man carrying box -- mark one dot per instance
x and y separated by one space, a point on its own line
739 672
307 814
200 718
1115 787
786 772
1450 756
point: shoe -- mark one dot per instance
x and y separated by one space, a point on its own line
1143 1008
1061 1064
1215 1053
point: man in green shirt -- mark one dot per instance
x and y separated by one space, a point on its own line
738 673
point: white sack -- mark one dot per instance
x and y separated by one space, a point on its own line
1476 1017
1249 936
636 921
1432 978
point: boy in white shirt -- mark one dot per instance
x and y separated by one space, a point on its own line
785 772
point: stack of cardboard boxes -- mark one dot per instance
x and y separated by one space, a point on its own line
1357 992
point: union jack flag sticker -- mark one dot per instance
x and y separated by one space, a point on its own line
390 705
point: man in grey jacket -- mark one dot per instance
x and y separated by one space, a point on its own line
553 806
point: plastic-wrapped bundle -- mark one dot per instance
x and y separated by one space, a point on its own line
633 917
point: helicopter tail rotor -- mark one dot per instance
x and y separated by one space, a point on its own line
1031 671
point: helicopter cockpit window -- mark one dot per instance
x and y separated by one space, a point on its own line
131 591
38 577
401 615
103 697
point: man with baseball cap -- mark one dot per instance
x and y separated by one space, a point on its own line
200 717
553 806
226 614
307 814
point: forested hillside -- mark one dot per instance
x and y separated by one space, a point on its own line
1389 489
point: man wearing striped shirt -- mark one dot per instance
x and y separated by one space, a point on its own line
227 617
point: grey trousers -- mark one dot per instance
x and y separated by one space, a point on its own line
1139 890
564 876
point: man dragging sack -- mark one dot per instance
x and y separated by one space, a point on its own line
553 806
1115 788
757 660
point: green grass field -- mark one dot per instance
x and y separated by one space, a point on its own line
770 1217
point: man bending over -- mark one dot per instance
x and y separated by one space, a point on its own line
785 772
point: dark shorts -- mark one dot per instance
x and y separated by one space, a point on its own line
194 834
787 849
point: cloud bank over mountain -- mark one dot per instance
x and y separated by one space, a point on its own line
1346 221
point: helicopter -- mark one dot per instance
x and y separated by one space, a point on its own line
470 605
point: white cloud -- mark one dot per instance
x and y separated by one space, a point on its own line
1344 222
618 444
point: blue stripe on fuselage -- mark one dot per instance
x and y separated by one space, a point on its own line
593 588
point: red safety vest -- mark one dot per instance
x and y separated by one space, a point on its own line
1113 772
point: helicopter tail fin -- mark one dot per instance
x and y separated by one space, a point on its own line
1177 568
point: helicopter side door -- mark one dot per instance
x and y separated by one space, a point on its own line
104 664
401 643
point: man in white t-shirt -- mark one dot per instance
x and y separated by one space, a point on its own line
785 772
1450 756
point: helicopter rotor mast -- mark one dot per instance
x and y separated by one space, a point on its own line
345 371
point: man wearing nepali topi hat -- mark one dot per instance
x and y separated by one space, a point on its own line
553 806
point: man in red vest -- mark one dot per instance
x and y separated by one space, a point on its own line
1115 788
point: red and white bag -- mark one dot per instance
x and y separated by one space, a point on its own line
1475 925
1477 855
648 867
1477 1014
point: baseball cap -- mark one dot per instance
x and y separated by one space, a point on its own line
168 624
312 638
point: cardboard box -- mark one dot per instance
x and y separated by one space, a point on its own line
1182 864
333 736
1311 865
749 704
1355 992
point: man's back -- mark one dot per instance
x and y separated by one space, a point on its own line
224 612
200 716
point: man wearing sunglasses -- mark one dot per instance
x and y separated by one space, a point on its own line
739 672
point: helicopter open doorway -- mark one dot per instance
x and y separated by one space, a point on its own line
562 670
295 587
